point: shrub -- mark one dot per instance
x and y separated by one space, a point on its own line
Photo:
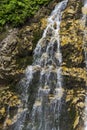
16 12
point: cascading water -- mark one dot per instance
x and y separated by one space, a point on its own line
84 19
45 111
85 30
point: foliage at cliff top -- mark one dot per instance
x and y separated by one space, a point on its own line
16 12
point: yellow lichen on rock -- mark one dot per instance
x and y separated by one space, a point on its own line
73 67
79 73
84 10
2 111
8 100
43 22
8 122
76 122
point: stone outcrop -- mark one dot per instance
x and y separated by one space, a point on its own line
10 105
84 10
73 67
16 50
17 45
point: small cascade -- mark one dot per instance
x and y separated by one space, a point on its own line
24 87
46 68
84 19
46 109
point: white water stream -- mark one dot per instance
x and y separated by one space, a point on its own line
84 21
47 66
46 109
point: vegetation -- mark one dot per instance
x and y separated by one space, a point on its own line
16 12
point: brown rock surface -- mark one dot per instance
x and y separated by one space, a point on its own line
73 68
17 45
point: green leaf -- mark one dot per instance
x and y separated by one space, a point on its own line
2 22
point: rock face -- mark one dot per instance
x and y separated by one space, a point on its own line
84 10
16 53
74 71
17 46
16 50
10 105
7 55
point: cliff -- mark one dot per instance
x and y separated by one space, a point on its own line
16 53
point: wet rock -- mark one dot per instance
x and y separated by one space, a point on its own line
75 103
73 67
17 45
76 122
10 103
81 105
84 10
71 11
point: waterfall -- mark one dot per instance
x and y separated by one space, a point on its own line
85 3
84 19
46 68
